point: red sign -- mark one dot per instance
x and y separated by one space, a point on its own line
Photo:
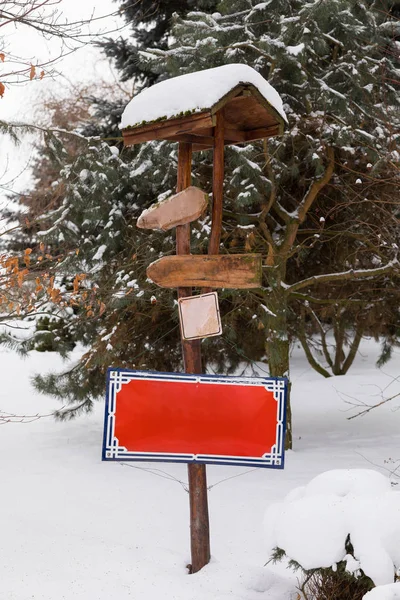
175 417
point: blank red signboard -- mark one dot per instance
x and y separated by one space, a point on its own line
175 417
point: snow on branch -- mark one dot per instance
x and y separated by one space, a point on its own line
317 186
392 266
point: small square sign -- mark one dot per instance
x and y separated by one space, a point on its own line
199 316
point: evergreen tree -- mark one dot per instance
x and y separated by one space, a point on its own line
330 177
114 314
150 21
296 199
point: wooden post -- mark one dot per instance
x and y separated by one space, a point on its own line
218 184
199 521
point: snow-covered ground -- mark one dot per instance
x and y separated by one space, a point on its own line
75 528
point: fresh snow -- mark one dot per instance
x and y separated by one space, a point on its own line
295 50
357 502
100 252
390 591
195 92
75 528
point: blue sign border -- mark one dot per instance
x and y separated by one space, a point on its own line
113 452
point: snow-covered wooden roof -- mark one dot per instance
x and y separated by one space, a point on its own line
183 108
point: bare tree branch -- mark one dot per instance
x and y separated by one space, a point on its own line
391 267
372 406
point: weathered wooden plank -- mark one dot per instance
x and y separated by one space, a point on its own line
234 136
192 138
165 129
232 271
259 134
182 208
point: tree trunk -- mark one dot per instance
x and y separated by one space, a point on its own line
277 344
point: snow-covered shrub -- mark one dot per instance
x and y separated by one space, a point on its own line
341 530
391 591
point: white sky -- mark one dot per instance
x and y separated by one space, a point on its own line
22 102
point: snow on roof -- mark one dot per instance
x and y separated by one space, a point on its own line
195 92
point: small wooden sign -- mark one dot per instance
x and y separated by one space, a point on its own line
232 271
199 316
182 208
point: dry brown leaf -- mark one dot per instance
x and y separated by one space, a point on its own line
2 89
41 75
2 56
21 277
32 72
271 257
27 257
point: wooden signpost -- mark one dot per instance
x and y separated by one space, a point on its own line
242 108
184 207
232 271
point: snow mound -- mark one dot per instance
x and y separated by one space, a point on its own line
360 482
195 92
312 523
384 592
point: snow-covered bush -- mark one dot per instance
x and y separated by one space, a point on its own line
341 530
391 591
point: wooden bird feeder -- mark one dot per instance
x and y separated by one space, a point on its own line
187 108
232 104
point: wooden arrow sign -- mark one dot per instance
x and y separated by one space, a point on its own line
182 208
233 271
